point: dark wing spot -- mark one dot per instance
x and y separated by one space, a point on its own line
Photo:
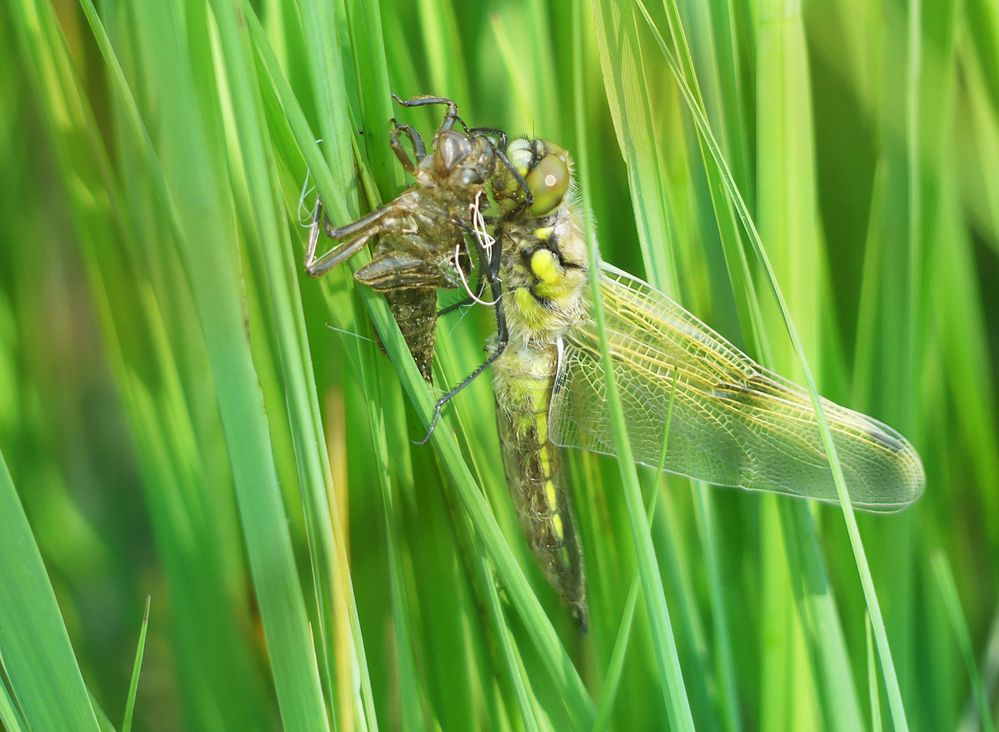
885 439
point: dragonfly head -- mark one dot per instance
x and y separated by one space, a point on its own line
547 170
463 160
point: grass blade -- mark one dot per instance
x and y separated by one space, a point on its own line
671 677
34 646
877 621
133 686
948 593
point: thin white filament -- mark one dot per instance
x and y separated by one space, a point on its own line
485 239
306 191
350 333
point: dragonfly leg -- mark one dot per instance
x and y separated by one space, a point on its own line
450 117
528 195
456 390
456 305
354 235
496 131
419 149
491 267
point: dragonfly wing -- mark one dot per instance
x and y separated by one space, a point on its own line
733 422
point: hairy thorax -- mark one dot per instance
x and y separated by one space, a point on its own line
544 275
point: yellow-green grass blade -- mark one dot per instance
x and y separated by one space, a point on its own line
612 677
576 700
615 668
218 669
689 253
952 603
200 213
787 212
830 648
739 268
35 650
133 685
873 680
353 672
639 117
631 83
714 550
703 129
667 660
526 702
621 57
10 715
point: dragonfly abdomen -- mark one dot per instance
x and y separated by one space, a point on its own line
523 380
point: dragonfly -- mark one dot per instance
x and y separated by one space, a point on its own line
697 406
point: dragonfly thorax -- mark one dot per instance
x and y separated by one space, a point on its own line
544 276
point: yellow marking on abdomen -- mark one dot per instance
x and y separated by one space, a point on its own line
542 426
557 527
546 462
551 495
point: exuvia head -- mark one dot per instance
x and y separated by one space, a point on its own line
462 159
545 167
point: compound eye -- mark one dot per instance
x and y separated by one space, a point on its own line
548 182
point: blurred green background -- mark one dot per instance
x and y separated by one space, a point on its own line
184 417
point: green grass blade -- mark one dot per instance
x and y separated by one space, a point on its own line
867 582
133 685
10 715
711 541
515 667
612 677
873 682
670 675
577 701
952 603
198 199
34 646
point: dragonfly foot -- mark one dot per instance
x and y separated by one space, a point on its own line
433 424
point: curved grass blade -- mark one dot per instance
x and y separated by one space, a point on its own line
880 633
10 715
193 192
612 677
133 684
576 699
671 676
952 604
34 646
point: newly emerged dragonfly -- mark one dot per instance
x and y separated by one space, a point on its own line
730 421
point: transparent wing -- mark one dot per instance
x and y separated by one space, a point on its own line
733 423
